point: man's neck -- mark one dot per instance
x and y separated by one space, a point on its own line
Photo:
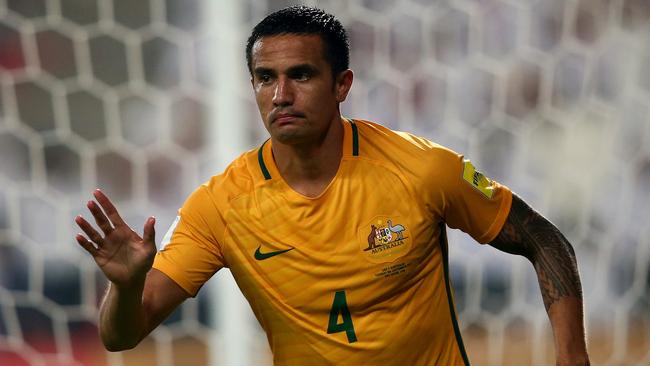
309 168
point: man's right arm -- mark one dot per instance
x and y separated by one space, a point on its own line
139 297
128 314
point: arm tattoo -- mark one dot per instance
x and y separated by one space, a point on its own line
529 234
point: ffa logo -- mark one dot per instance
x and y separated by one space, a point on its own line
384 239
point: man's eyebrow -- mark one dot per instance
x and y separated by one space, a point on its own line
262 70
302 68
295 69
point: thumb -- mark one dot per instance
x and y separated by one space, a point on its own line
149 233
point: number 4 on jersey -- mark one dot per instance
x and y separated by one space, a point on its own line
340 306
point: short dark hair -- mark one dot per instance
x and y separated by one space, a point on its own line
304 20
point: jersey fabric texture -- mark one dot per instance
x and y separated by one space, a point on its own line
357 275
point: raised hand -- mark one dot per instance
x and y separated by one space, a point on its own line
124 256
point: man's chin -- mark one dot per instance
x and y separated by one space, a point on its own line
288 136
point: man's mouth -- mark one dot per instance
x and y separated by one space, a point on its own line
283 118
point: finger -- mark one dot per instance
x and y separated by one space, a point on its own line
109 208
89 230
88 246
99 216
149 234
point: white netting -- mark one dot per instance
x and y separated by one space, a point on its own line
551 98
94 94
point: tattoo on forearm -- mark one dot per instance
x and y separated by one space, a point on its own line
529 234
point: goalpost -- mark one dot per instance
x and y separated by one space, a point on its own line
232 341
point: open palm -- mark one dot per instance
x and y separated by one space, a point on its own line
124 256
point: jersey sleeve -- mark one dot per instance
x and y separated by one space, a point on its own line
465 198
190 252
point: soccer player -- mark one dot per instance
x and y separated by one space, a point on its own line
334 228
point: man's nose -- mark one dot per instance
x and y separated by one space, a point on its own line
283 94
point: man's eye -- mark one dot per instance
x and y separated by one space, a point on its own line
302 76
265 78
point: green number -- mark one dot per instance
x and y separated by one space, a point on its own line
340 306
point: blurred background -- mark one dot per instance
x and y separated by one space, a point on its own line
147 99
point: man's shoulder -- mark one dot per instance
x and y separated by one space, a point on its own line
381 142
236 179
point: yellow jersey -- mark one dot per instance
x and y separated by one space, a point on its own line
357 275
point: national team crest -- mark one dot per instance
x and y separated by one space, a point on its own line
384 239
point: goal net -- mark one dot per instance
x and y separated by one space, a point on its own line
147 99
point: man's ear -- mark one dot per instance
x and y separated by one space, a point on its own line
343 84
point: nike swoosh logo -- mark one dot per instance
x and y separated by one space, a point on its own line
262 256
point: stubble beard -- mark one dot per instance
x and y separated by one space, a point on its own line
293 136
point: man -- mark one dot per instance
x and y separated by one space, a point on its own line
334 229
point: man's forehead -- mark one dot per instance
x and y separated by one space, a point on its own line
270 48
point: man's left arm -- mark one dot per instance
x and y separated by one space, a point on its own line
529 234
